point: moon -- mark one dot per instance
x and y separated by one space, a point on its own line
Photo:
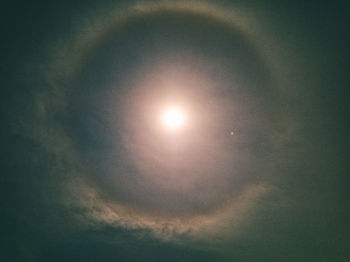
173 118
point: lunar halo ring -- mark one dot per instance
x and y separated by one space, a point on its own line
80 192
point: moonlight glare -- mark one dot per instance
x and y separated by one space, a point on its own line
173 118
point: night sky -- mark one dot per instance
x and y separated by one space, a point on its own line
257 171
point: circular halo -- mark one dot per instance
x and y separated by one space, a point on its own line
103 209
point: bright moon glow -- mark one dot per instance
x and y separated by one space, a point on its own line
173 118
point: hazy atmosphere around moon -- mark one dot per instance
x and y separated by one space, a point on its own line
175 131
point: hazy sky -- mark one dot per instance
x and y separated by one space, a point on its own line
258 170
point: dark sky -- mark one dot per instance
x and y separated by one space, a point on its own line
66 74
